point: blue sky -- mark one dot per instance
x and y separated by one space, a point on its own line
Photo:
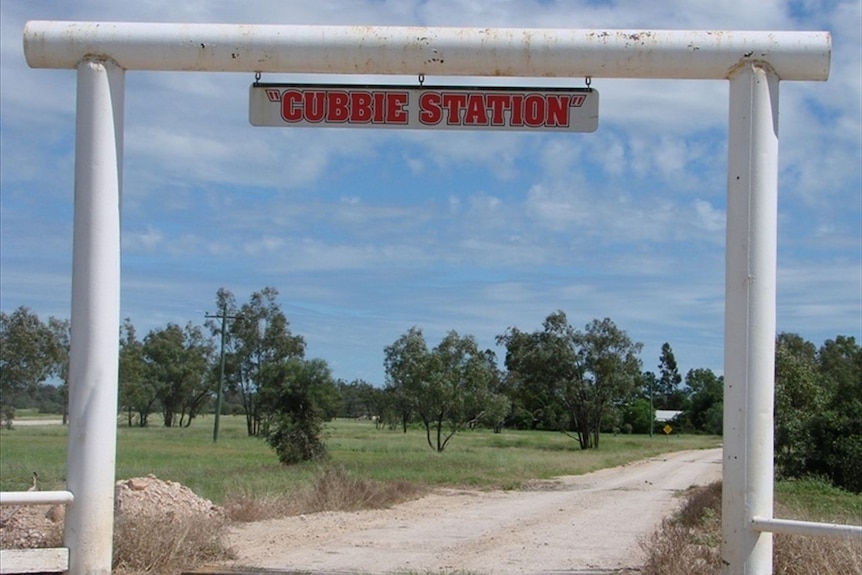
366 233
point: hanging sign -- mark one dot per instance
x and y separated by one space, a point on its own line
442 108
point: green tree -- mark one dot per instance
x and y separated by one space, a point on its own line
406 366
61 330
611 370
497 405
572 379
840 363
648 384
544 375
138 392
358 399
449 387
299 395
704 410
669 394
456 391
27 356
179 362
257 337
837 430
639 415
818 409
516 415
799 398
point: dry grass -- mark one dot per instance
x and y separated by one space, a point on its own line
797 555
336 490
810 555
151 545
333 489
249 507
162 544
688 544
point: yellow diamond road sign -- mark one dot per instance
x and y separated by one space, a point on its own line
667 429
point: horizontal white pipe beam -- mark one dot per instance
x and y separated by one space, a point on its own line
510 52
35 497
792 527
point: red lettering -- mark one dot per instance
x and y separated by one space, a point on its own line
337 108
517 110
476 114
360 107
498 103
558 110
534 110
454 103
291 106
395 112
471 108
429 108
379 107
314 105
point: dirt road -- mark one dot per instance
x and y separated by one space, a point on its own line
584 524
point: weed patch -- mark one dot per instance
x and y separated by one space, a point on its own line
335 489
688 543
149 544
332 489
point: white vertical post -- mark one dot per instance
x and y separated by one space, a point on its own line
749 339
95 317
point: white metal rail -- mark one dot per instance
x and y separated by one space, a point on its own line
52 560
811 529
36 498
753 62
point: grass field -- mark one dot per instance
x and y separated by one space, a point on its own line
244 465
240 464
245 473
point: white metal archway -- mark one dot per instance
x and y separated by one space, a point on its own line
753 62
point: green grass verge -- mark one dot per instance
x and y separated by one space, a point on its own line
240 464
817 500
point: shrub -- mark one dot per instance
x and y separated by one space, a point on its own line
149 544
296 438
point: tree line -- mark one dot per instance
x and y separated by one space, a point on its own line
579 381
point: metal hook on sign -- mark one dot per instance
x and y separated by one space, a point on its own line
256 78
589 81
421 79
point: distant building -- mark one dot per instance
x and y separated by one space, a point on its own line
664 415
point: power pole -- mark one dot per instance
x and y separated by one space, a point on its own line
219 390
651 410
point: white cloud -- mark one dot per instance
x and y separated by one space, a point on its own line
708 217
368 232
145 240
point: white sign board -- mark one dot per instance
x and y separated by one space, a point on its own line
446 108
